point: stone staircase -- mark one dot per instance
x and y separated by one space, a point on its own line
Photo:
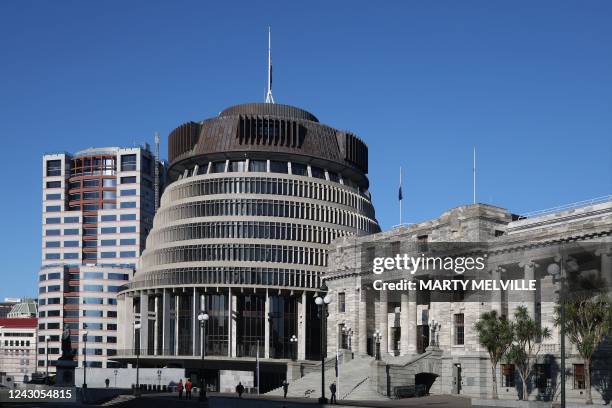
354 382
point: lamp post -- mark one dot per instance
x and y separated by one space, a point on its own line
558 273
377 338
294 341
137 389
85 359
47 338
348 332
115 371
159 373
203 318
322 303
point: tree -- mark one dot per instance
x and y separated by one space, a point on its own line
523 353
587 322
496 335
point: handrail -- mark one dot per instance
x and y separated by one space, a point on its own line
564 207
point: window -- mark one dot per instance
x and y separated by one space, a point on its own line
128 204
52 256
54 196
237 166
128 180
109 182
127 254
54 168
93 288
341 302
127 229
53 313
91 183
71 255
118 276
89 232
579 377
130 192
217 167
71 219
92 313
299 169
108 218
71 231
53 208
90 207
71 313
90 219
128 241
111 327
128 217
114 289
459 329
108 254
90 195
52 232
258 166
109 195
52 244
71 244
278 167
92 300
52 326
93 275
508 374
128 162
111 339
54 220
54 184
542 376
92 326
333 176
108 230
108 242
317 172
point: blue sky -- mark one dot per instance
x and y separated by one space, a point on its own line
528 83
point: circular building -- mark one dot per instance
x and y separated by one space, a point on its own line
241 239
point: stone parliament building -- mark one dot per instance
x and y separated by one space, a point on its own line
265 205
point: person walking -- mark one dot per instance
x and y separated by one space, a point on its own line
285 388
332 389
240 389
179 387
188 386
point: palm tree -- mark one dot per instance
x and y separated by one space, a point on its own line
526 346
496 335
587 322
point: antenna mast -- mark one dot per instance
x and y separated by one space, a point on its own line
156 181
269 97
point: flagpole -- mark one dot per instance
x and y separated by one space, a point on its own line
401 198
474 176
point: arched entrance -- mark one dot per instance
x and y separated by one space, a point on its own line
424 381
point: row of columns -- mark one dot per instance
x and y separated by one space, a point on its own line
160 318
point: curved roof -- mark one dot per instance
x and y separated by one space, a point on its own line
266 128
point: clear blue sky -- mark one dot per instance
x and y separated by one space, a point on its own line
529 83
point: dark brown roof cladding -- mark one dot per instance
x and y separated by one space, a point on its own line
273 128
269 109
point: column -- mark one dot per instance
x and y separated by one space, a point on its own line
362 327
144 322
195 323
384 323
301 346
529 270
233 325
408 322
496 295
230 336
605 271
267 326
166 334
156 327
176 324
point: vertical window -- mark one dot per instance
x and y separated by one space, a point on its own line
341 302
237 166
579 377
459 329
258 166
508 375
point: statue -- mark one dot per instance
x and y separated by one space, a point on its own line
67 353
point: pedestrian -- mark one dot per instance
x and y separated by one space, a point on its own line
179 387
107 382
240 389
285 388
188 385
332 389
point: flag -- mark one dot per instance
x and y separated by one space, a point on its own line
400 196
270 75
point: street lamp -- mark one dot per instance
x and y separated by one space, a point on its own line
294 341
47 338
203 318
322 303
348 332
115 371
377 339
85 358
159 373
137 389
